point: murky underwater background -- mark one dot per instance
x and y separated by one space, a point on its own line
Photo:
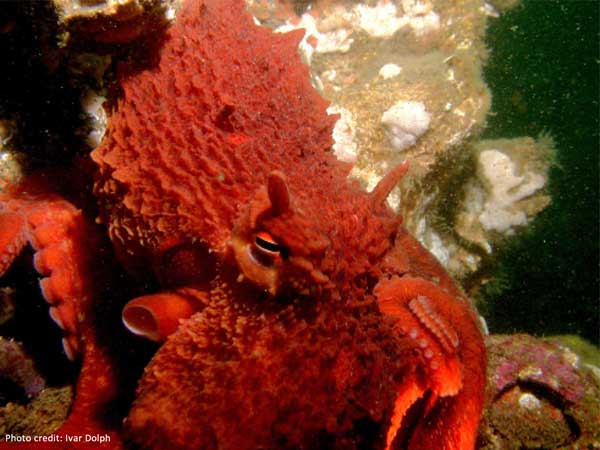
543 73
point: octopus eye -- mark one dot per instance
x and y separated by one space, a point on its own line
265 243
265 251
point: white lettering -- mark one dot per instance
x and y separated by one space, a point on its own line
99 438
17 438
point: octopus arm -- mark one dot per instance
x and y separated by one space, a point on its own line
61 240
12 239
451 379
422 264
56 231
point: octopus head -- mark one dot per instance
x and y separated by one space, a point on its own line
275 244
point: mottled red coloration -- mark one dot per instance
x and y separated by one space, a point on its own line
292 345
320 323
294 372
213 83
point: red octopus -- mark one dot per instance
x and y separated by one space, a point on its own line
296 310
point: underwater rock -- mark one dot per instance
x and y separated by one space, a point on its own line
17 366
92 104
27 405
489 193
11 161
367 57
541 396
41 416
507 191
405 121
112 21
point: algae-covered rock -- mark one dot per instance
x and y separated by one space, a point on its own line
540 395
27 405
41 416
111 21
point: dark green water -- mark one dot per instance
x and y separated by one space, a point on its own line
543 72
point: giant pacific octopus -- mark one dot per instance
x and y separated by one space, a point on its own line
294 310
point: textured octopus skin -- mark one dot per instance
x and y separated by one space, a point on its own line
300 372
348 335
352 323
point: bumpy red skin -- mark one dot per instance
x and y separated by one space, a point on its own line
193 138
359 322
313 372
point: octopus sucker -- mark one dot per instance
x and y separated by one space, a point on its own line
421 307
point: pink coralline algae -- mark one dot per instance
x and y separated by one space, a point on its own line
538 362
540 395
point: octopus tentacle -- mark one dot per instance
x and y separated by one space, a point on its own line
55 230
444 331
380 193
62 240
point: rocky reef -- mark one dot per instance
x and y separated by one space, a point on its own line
541 395
29 406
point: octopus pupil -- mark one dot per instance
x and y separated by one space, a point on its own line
267 245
